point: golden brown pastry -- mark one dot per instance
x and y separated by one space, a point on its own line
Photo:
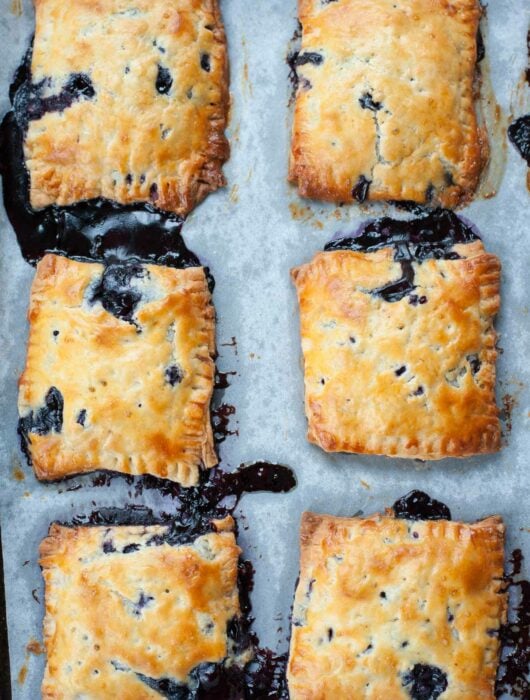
385 101
119 371
132 615
130 102
391 609
399 356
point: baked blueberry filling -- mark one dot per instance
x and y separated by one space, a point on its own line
114 290
45 420
519 134
164 81
417 505
425 682
174 375
367 102
205 62
433 235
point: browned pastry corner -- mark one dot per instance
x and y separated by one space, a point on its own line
119 371
126 610
409 378
133 102
385 607
385 101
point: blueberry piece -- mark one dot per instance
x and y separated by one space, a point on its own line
108 547
130 548
81 417
474 363
164 81
367 102
425 682
174 374
208 676
316 59
418 392
400 370
79 84
205 62
360 190
417 505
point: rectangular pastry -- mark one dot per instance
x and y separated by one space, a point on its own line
128 101
119 371
399 347
397 609
130 613
385 101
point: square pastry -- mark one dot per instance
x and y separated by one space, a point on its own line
397 609
385 101
128 101
399 346
131 614
119 371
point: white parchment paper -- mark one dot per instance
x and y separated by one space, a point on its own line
251 234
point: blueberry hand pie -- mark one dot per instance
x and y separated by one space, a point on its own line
385 101
399 344
128 102
119 371
133 614
397 609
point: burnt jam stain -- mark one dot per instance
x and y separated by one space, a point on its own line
174 375
205 62
519 135
222 380
367 102
114 290
361 189
164 81
45 420
425 682
192 512
513 675
481 49
417 505
221 417
432 235
93 230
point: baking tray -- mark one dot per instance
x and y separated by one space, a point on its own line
251 234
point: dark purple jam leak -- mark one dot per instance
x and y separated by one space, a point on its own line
432 235
361 189
192 512
417 505
221 417
513 676
94 230
519 134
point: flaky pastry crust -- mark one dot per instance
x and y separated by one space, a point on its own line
378 596
136 392
397 378
385 101
134 140
124 607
